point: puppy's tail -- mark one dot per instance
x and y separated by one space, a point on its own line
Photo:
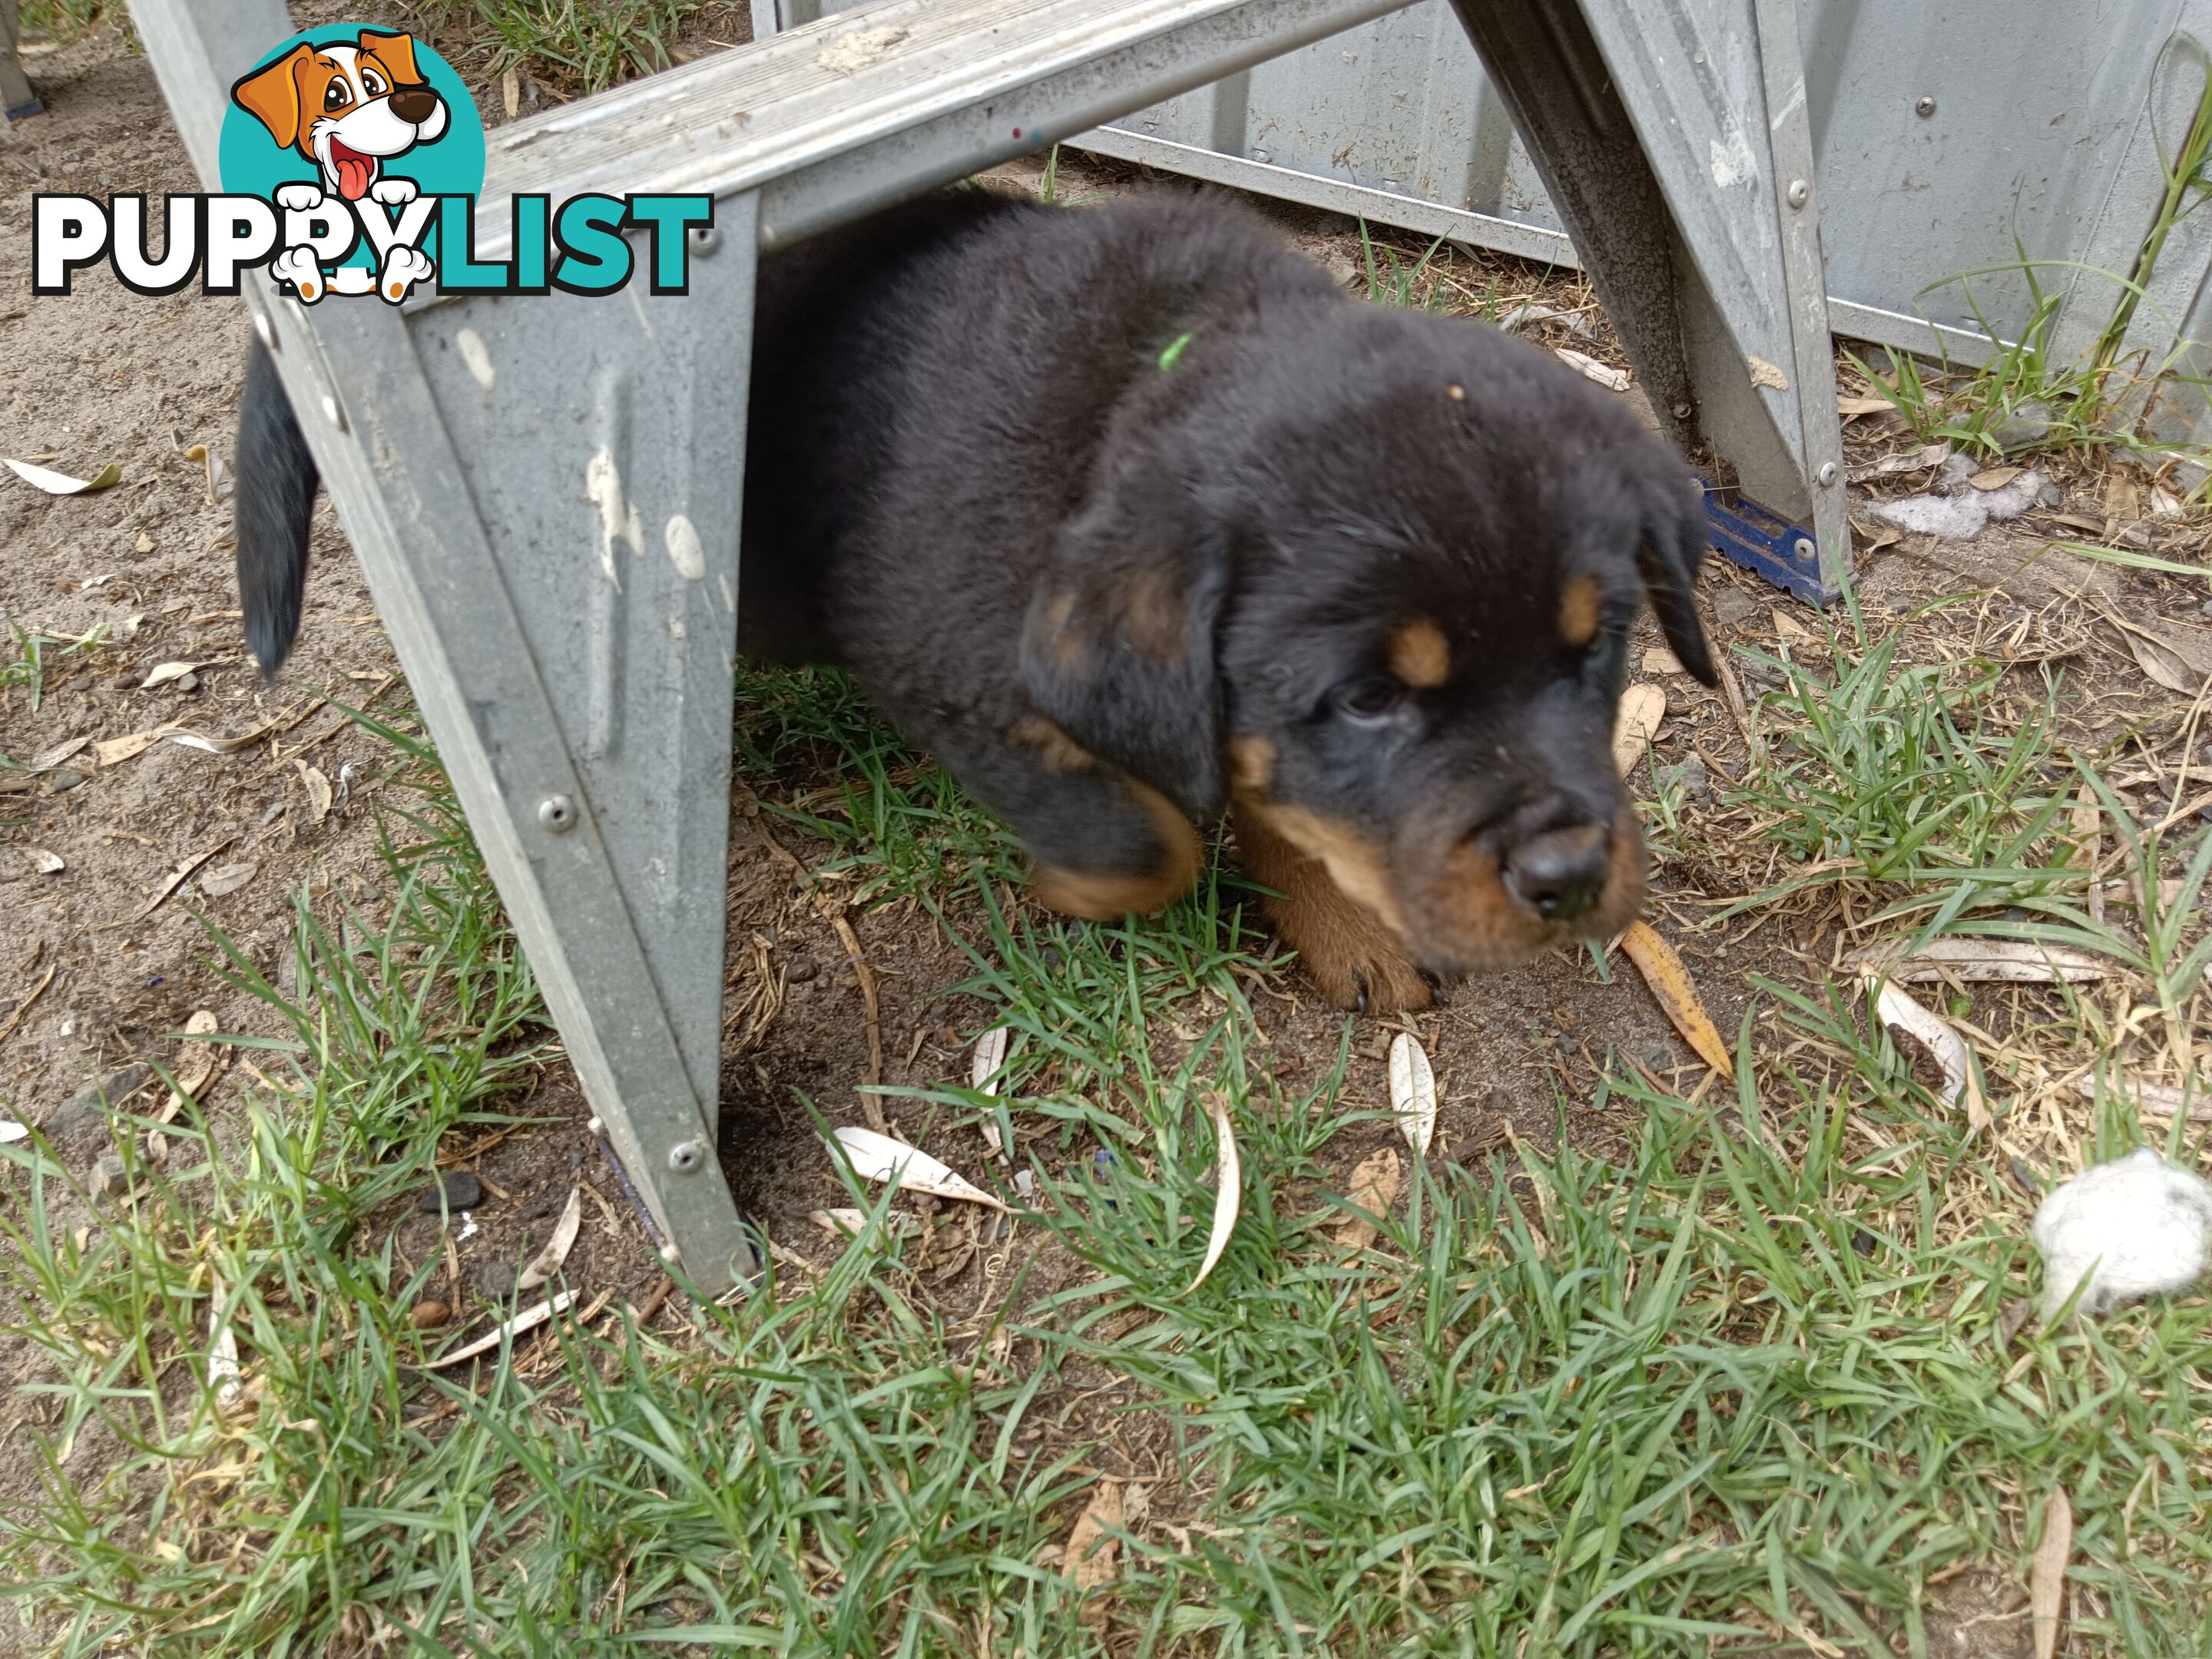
276 497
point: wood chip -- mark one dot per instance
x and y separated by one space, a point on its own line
2046 1573
1613 380
1677 994
44 862
2155 1099
990 1055
1643 710
1375 1184
1413 1092
1660 660
846 1222
1229 1189
317 789
163 673
1851 409
1991 961
197 1062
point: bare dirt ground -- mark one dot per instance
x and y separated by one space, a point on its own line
105 954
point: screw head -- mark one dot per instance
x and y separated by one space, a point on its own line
596 1127
1924 108
686 1156
334 411
704 238
670 1253
1681 411
1799 192
557 813
1828 474
1803 549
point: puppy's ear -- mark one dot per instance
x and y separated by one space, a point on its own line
271 96
1674 546
1118 648
396 52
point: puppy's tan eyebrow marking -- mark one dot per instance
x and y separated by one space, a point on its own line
1580 601
1456 392
1420 656
1252 758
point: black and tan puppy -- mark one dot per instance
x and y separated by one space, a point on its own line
1133 519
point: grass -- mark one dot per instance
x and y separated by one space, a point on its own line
1729 1381
585 46
26 670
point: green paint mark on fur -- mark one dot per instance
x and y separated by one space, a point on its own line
1174 350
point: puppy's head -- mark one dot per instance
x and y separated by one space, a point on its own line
346 106
1374 577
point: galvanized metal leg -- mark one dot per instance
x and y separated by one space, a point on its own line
17 98
1675 144
570 647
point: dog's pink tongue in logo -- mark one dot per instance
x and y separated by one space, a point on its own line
355 171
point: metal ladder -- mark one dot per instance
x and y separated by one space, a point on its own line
578 681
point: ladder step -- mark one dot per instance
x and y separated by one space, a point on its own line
858 92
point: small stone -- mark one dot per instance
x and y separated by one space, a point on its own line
428 1313
1732 608
800 970
145 543
187 682
109 1177
1692 777
460 1191
80 1116
65 778
495 1280
1863 1241
2024 427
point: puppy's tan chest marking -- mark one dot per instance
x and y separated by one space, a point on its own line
1153 606
1419 654
1054 747
1251 764
1581 601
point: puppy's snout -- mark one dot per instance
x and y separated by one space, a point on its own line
414 105
1561 874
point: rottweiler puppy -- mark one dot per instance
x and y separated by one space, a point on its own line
1133 519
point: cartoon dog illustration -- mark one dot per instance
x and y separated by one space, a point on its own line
348 108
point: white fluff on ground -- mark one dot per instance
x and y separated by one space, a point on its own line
2139 1224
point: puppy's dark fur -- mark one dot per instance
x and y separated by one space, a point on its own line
1362 576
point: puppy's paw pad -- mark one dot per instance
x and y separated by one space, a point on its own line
298 198
392 192
404 267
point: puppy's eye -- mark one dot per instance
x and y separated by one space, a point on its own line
372 83
335 96
1367 700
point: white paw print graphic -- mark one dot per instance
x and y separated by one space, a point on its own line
298 198
404 267
392 192
298 266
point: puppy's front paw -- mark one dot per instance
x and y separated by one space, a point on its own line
298 198
392 192
300 267
1368 973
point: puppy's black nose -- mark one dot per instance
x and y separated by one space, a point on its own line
1561 873
414 105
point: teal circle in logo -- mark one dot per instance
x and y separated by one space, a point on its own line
347 118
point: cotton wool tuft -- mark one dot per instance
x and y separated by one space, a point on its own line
2140 1226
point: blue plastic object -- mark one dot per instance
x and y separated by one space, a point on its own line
1764 541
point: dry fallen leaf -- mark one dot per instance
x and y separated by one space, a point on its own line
510 91
2163 663
879 1157
2122 500
2046 1573
1851 408
1995 477
319 792
196 1062
547 1262
528 1320
222 1370
990 1055
1894 1006
1677 994
1991 961
45 863
1790 629
163 673
2155 1099
1093 1552
116 750
227 879
12 1131
46 760
1228 1193
1613 380
847 1223
1374 1189
2087 824
1643 708
60 483
1660 660
1413 1092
